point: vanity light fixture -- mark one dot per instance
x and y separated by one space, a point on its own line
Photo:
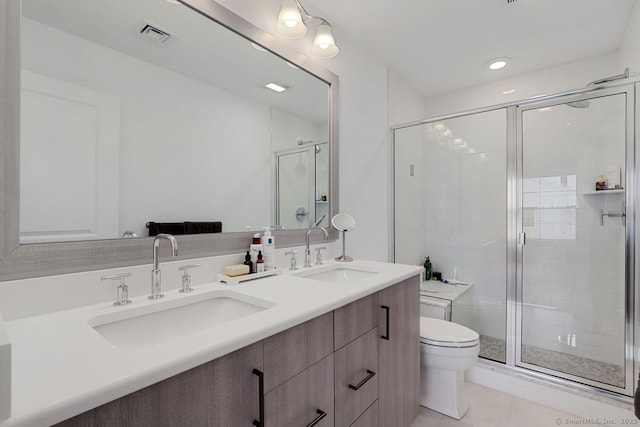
276 87
498 63
292 21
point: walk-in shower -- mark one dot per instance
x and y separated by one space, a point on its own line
505 198
302 185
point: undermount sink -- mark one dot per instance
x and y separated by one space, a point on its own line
337 274
160 322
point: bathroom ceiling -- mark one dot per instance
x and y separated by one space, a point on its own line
440 46
197 48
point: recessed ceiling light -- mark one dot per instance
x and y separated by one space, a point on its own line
543 109
276 87
508 91
498 63
173 2
295 67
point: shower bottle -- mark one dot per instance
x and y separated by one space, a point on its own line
427 269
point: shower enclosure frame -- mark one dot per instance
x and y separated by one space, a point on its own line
630 371
514 226
311 149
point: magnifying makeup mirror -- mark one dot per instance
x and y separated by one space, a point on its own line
343 222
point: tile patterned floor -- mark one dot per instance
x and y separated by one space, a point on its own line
491 408
494 349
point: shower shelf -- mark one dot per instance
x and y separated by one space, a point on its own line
593 193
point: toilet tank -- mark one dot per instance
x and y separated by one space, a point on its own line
435 307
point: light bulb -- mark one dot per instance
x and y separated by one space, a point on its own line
498 63
324 46
290 22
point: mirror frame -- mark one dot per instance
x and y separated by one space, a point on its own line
34 260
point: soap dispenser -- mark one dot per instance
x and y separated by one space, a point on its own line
269 249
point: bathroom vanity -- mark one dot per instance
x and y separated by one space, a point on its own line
335 345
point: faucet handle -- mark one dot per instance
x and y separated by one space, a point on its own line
186 277
319 255
294 262
122 292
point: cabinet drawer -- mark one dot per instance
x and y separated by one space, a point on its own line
355 319
369 418
356 378
303 399
292 351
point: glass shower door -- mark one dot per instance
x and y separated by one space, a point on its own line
573 246
295 188
450 187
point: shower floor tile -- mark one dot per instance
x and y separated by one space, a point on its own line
607 373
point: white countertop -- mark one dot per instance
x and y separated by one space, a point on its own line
63 367
438 289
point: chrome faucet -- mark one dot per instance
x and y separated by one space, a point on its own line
307 252
156 283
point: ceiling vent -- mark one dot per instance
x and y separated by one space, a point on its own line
154 34
511 1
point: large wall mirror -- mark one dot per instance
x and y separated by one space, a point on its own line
155 116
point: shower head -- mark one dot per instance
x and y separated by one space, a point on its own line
318 149
579 104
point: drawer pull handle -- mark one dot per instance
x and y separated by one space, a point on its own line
316 420
386 308
258 423
361 383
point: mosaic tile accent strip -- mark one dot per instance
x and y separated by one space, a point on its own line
607 373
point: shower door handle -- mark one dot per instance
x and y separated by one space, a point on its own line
522 239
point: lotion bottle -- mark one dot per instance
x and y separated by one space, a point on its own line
269 249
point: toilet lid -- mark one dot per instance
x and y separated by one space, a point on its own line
446 334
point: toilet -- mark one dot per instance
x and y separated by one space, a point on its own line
446 350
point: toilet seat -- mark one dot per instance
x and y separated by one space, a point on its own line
441 333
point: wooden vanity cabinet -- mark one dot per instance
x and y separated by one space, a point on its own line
369 418
299 366
223 392
399 346
306 399
371 344
356 359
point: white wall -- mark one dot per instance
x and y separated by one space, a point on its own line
287 128
156 126
629 53
363 129
406 104
558 79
